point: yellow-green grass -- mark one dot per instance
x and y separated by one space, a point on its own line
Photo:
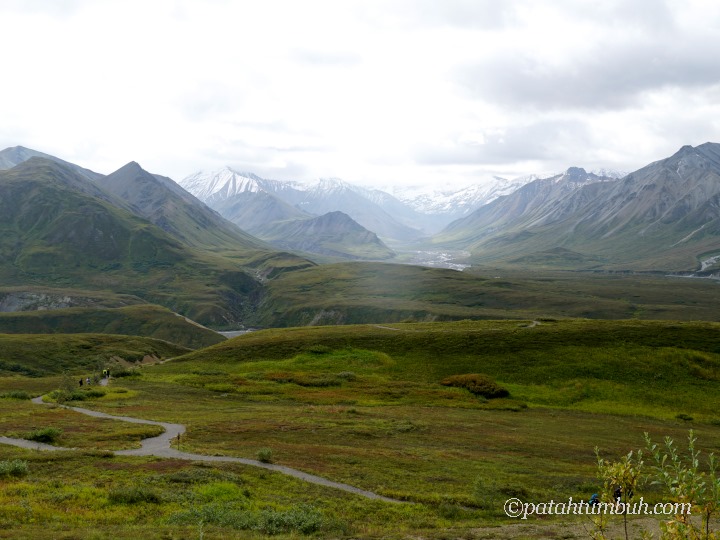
80 495
364 405
19 418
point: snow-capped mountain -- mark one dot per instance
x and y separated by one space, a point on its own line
456 203
237 196
209 186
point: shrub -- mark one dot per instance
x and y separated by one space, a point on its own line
13 468
15 394
133 495
347 375
44 435
301 518
319 349
684 416
265 455
478 384
123 372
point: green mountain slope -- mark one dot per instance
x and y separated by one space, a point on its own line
162 202
55 233
140 320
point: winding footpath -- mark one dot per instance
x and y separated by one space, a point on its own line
160 446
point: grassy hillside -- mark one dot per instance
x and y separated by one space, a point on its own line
365 405
40 355
348 293
141 320
603 366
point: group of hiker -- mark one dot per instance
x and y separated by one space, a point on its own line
617 496
88 382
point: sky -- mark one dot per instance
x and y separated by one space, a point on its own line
379 93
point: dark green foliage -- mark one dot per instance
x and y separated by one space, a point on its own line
15 468
124 372
303 518
133 495
16 394
44 435
265 455
478 384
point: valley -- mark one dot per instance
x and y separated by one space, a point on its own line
282 339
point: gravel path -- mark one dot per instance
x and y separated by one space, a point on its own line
161 446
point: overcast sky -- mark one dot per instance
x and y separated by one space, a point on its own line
446 92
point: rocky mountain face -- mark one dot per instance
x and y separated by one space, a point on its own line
161 201
663 216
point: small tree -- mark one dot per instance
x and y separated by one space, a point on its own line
686 483
623 477
680 476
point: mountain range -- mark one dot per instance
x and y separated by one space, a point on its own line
128 233
78 240
405 215
665 216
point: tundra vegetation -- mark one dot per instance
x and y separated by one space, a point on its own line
367 405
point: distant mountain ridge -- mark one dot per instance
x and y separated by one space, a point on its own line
665 215
236 196
401 216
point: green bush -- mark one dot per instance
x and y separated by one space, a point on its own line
15 394
44 435
301 518
13 468
265 455
123 372
478 384
133 495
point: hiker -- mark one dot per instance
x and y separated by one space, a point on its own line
80 382
617 494
87 381
594 500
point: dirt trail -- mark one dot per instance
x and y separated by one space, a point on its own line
161 446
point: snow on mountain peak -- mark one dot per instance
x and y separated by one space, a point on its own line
221 183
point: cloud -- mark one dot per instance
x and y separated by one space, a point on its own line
552 140
579 62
